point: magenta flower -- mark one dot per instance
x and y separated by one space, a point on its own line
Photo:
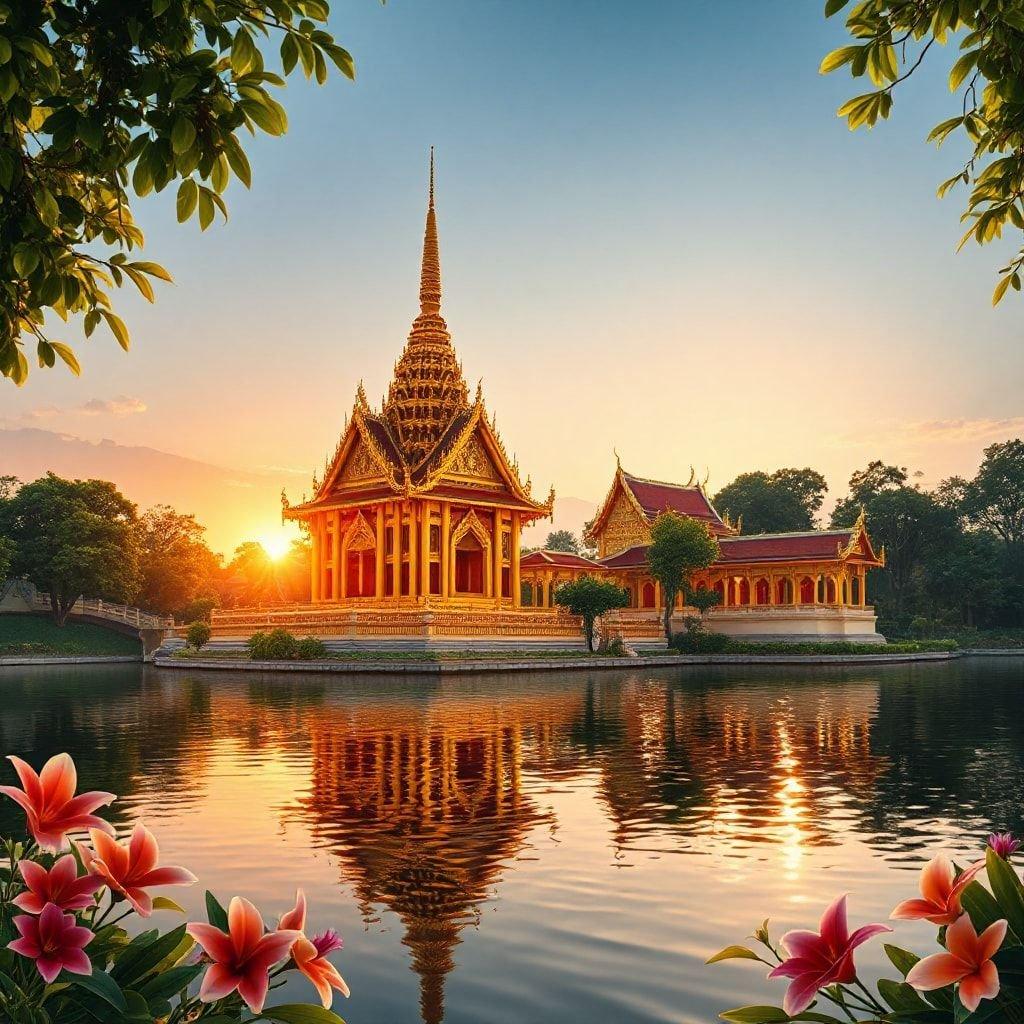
54 940
61 886
817 959
1004 844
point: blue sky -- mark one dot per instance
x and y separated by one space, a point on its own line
655 235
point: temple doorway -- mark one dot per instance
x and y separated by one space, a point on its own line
469 566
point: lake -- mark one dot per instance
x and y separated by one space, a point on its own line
545 847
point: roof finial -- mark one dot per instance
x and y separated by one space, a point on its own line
430 273
618 461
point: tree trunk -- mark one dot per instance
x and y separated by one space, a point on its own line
60 607
670 603
588 631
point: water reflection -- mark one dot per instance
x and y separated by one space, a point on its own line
432 797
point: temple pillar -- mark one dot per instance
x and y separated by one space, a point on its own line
339 578
496 559
379 580
314 562
396 549
425 512
726 587
824 586
771 589
862 589
517 596
446 537
414 509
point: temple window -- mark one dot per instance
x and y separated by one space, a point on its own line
506 582
807 590
329 546
469 566
405 578
762 592
648 595
506 545
435 577
389 541
526 594
405 538
830 591
435 539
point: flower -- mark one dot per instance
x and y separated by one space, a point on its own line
310 955
131 869
941 889
968 961
1003 844
49 802
242 956
825 957
54 940
61 886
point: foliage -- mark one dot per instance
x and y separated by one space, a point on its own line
590 598
697 640
103 100
73 538
309 648
277 645
176 566
812 647
76 945
40 636
892 40
199 610
197 636
981 983
679 547
6 556
788 499
254 578
562 540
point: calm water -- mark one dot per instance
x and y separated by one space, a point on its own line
544 848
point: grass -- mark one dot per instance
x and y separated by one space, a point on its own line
836 647
39 636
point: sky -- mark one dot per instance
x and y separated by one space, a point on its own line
656 237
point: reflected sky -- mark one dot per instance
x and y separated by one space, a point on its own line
543 847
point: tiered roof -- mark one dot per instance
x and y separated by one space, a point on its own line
545 558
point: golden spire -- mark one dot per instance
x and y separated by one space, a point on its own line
430 273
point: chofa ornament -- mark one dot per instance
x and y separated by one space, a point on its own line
66 957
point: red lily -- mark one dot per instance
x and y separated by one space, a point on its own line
61 886
941 889
131 869
54 940
310 955
818 959
968 961
49 802
242 956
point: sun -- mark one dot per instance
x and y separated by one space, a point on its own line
276 545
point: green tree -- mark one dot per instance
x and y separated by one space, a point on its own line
253 577
101 100
177 568
679 547
788 499
893 38
73 538
590 598
6 556
562 540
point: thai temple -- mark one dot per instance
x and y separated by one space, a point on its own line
417 518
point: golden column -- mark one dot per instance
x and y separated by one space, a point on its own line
446 539
379 575
496 569
396 549
414 508
425 511
337 580
314 562
517 596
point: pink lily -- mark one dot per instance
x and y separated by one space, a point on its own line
310 955
54 940
1004 844
818 959
61 886
50 805
941 890
968 961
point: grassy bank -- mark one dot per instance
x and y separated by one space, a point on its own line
37 635
830 648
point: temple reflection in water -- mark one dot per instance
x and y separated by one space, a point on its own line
429 795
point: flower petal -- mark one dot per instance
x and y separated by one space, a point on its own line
218 982
937 879
217 944
59 780
937 971
244 925
295 918
983 984
833 927
253 987
990 940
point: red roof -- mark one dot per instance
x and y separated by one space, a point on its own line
627 558
778 547
565 559
654 497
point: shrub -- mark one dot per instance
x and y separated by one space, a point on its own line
197 635
277 645
257 646
616 648
698 641
309 648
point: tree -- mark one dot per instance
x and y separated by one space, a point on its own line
253 577
6 555
893 38
177 568
679 547
994 499
562 540
788 499
102 98
73 538
590 598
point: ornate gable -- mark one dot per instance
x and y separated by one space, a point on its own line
473 462
360 467
623 527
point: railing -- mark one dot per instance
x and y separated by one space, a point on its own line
108 610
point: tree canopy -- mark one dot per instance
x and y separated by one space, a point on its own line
590 598
562 540
788 499
100 101
679 547
176 566
893 38
73 538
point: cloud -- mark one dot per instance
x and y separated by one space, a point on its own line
928 432
43 412
120 406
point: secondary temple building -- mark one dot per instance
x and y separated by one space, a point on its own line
416 525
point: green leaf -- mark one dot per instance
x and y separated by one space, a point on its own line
961 69
238 161
205 208
1002 878
300 1013
733 953
116 325
155 270
99 984
289 53
755 1015
49 213
901 959
997 295
141 957
188 197
166 983
900 996
834 7
183 134
166 903
215 913
68 356
837 58
26 258
243 52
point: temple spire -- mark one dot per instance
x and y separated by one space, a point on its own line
430 273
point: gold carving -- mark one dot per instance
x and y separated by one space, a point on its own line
472 460
360 465
622 529
359 536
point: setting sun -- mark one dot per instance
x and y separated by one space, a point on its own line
276 545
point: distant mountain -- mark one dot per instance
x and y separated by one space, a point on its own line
233 505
